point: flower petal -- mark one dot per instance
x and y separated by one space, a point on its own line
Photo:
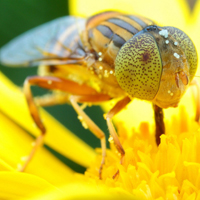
15 143
139 111
169 171
84 190
5 166
166 12
13 104
15 185
194 28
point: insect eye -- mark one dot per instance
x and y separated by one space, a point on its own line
187 46
138 66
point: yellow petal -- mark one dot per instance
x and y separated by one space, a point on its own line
195 14
169 171
166 12
194 29
15 185
139 111
5 166
84 190
13 104
16 143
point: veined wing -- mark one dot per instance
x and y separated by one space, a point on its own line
50 43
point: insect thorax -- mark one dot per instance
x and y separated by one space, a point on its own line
112 31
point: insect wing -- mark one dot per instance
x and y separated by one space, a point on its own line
46 44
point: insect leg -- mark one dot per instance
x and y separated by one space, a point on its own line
117 108
160 126
35 115
52 99
197 98
48 83
91 125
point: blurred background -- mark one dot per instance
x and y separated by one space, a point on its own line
16 17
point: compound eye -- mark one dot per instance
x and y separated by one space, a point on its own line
138 66
187 46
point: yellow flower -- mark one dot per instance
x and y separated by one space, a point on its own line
170 171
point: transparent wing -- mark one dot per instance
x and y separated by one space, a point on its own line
49 43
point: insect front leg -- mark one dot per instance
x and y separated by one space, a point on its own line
117 108
35 115
160 126
48 83
91 125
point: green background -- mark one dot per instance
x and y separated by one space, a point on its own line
16 17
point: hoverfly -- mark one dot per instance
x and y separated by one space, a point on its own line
110 55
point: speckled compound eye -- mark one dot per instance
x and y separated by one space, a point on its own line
138 66
187 46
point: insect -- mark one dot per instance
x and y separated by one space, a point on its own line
110 55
